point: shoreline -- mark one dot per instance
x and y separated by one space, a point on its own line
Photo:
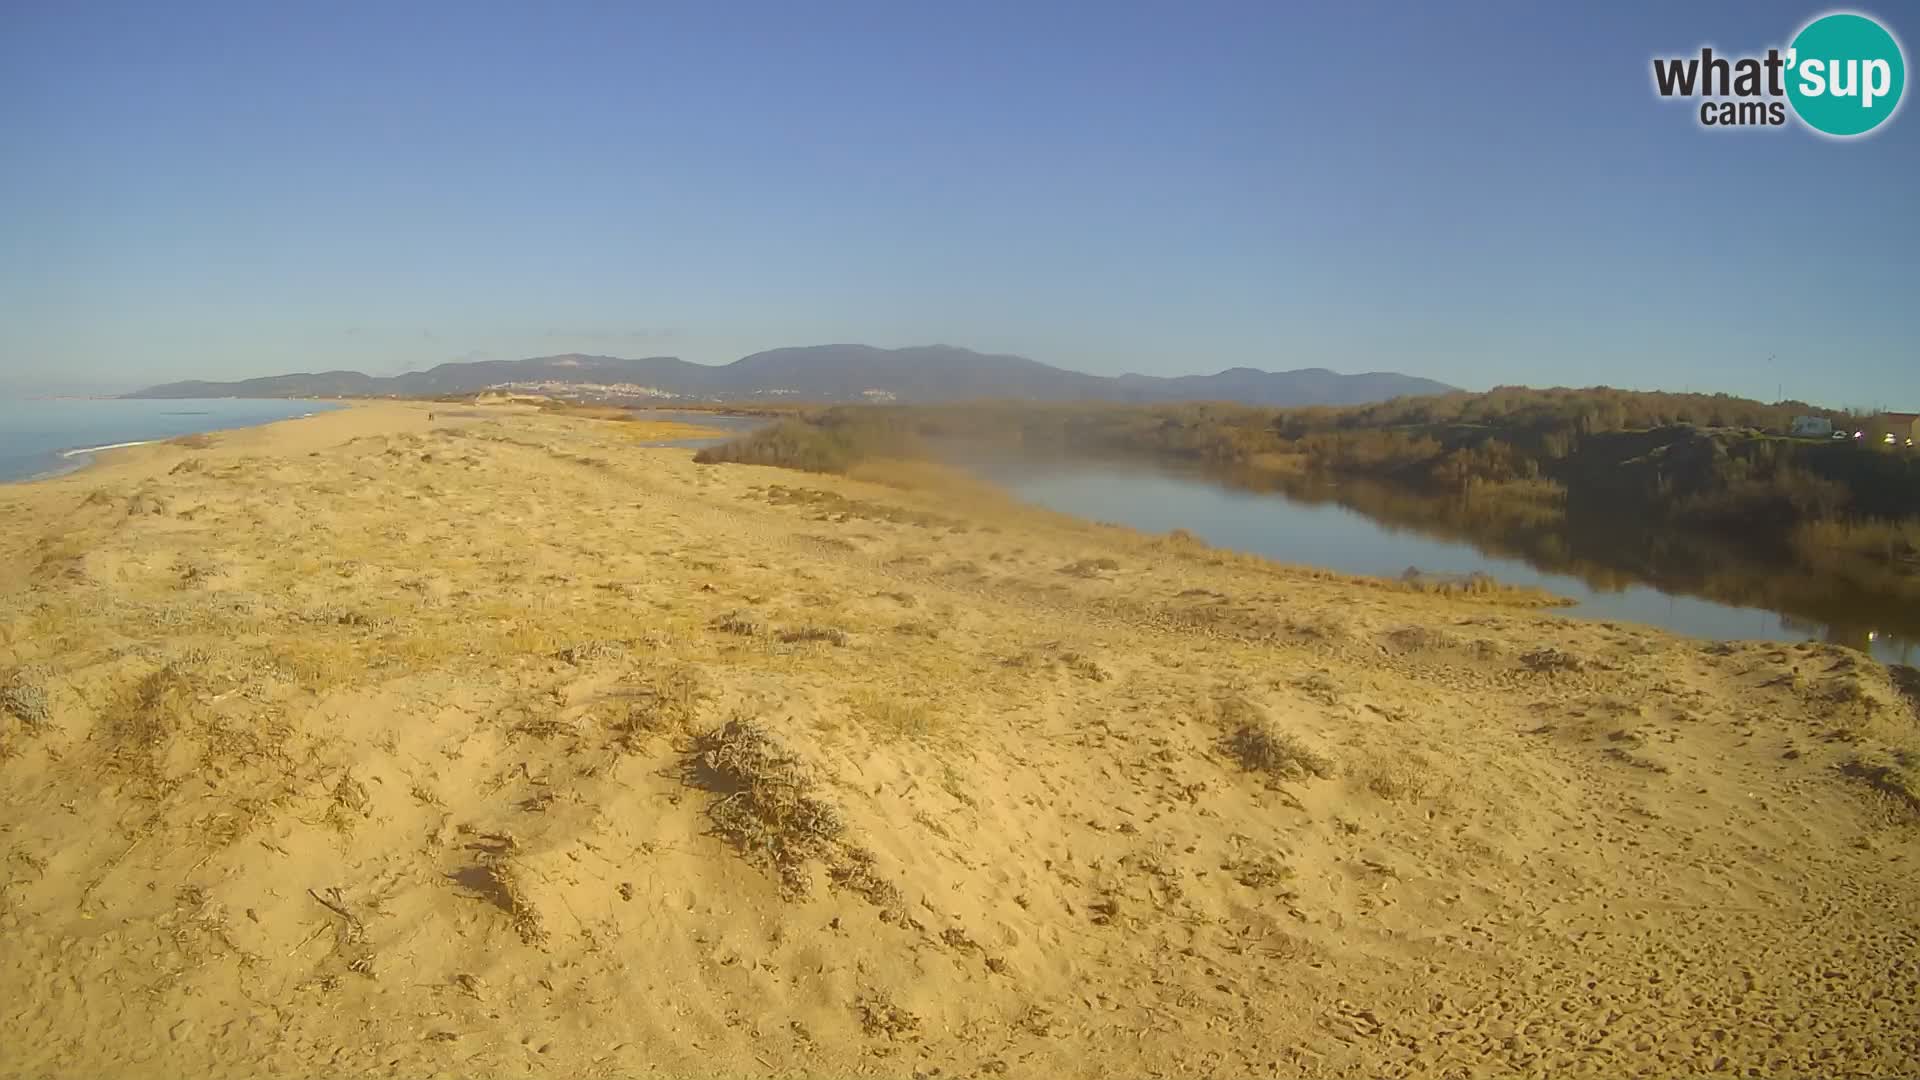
110 446
83 458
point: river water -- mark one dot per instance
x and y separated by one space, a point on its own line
1329 535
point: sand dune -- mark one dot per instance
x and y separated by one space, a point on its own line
499 744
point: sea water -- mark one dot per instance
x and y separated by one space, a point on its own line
48 436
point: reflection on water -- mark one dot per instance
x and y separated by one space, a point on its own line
1615 570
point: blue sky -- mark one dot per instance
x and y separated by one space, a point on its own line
1486 195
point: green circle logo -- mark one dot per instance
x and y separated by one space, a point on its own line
1845 73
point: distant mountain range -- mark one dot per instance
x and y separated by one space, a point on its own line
824 373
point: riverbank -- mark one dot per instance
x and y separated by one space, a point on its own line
500 744
1633 509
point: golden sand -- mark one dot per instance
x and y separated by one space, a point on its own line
498 744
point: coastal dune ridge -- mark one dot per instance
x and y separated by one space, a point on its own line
491 738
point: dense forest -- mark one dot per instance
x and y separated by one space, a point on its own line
1712 465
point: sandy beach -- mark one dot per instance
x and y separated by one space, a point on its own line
498 743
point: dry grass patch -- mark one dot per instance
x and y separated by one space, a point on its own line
507 881
1085 666
142 719
225 828
587 652
769 806
1419 638
892 717
1258 871
348 803
500 878
854 872
880 1017
741 621
1548 660
319 662
832 635
832 506
25 700
664 701
1402 779
1906 682
1179 540
1259 746
1478 585
1319 686
1895 774
1090 568
225 745
1321 626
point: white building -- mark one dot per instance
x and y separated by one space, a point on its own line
1812 427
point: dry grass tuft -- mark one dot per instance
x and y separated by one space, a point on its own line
1181 539
769 806
225 745
1895 774
502 879
1085 666
1402 779
1551 660
225 828
546 727
1319 686
879 1016
586 652
1418 638
742 622
832 506
829 634
142 503
1322 626
1478 585
1258 872
140 721
892 717
1089 568
26 701
1259 746
347 801
665 702
1906 681
854 873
